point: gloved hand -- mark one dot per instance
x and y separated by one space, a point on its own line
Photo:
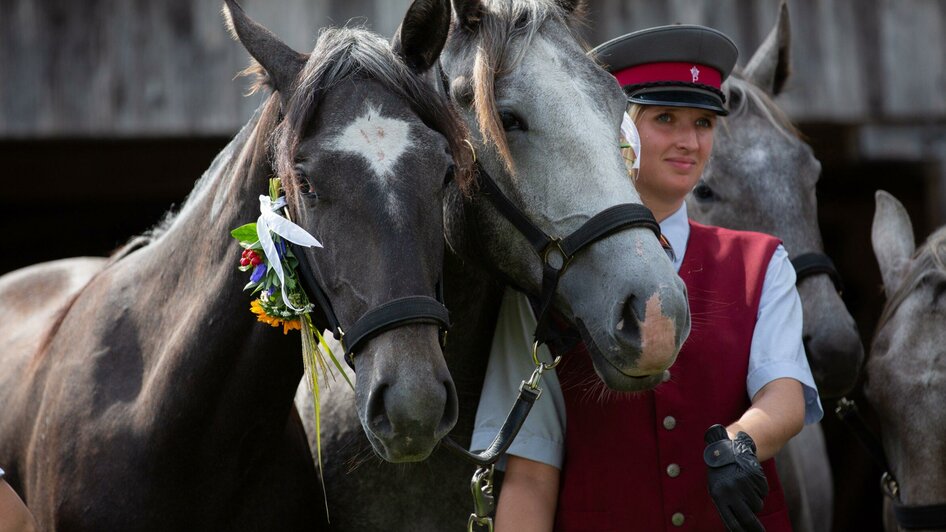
736 481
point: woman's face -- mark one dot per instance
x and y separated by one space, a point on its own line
675 143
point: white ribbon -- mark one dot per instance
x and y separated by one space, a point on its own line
268 222
629 132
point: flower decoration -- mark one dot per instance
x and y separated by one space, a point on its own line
281 301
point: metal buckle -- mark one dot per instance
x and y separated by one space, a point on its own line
889 486
540 368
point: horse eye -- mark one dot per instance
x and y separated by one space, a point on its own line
703 192
511 122
303 182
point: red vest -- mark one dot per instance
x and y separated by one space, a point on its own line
635 461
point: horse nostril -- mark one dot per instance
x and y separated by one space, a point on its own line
627 329
377 413
450 410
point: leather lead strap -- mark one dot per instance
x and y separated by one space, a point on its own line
506 435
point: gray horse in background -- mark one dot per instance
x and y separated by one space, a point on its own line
545 120
761 177
905 381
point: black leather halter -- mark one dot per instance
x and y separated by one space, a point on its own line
394 313
909 517
557 252
810 264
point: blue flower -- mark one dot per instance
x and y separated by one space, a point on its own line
258 273
281 247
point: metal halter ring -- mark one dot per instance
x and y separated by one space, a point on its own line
472 149
538 363
554 256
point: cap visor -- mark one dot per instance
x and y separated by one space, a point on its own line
670 98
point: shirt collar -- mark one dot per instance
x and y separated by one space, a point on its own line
676 228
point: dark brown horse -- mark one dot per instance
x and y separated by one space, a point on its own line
139 393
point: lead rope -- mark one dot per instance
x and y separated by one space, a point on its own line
481 485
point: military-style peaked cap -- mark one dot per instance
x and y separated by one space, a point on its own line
679 66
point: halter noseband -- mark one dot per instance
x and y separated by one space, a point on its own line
814 263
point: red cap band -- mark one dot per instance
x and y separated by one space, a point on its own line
682 72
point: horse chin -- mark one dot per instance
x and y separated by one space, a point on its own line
401 451
612 376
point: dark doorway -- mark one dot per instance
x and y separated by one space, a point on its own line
64 198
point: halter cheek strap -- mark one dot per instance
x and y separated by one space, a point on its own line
387 316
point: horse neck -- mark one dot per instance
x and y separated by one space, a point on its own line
473 296
208 347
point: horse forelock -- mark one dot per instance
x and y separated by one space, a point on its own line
498 43
750 96
342 54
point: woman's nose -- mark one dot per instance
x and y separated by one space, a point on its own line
687 139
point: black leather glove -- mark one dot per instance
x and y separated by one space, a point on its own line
736 481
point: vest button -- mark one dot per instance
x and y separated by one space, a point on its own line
677 519
670 422
673 470
666 376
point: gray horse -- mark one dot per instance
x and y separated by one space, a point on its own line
906 371
139 393
761 177
545 119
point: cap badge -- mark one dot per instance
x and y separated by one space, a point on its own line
696 73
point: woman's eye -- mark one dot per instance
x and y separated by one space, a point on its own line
511 122
704 122
703 192
664 117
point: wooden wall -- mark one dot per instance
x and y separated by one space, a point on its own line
136 68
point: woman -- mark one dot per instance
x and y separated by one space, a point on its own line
688 453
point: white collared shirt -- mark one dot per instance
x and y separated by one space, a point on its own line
776 352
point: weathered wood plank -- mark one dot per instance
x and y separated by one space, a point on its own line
129 68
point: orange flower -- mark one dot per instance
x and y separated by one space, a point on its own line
261 315
290 325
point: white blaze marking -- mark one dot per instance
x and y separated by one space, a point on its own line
379 140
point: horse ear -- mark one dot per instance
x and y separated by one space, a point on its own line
423 32
281 63
892 237
770 66
468 12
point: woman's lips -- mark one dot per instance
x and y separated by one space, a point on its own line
682 164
